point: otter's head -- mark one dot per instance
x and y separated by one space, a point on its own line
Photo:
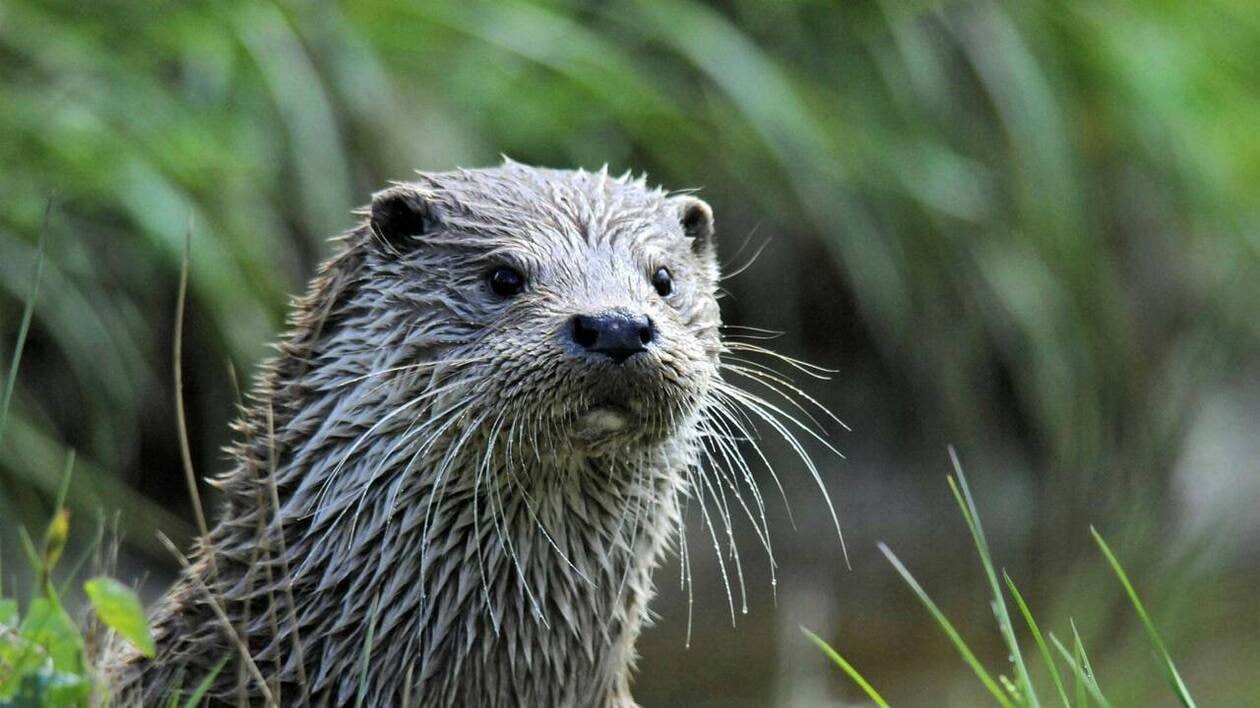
576 310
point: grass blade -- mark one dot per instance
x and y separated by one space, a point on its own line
1082 699
367 653
1078 649
84 556
28 312
847 668
998 694
175 689
199 693
181 422
972 516
1166 662
1084 674
1046 656
65 481
32 552
242 649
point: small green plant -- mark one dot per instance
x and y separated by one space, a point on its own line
1019 691
44 659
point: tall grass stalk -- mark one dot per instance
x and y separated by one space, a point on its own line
1157 643
28 311
1021 692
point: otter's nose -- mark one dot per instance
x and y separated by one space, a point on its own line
616 334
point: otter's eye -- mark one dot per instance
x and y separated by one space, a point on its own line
663 282
506 282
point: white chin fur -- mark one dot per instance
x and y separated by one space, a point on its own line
604 420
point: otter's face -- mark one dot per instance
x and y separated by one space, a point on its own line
582 306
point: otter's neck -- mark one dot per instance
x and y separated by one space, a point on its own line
487 572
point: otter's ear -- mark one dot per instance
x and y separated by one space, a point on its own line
399 215
697 223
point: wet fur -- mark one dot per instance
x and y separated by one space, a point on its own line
418 431
424 441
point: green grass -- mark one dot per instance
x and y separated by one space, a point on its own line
1042 647
1157 643
361 693
28 311
840 661
44 659
1021 691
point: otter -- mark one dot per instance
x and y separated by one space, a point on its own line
452 484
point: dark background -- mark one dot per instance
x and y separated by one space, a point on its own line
1025 229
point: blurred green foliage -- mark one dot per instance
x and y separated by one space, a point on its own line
1041 216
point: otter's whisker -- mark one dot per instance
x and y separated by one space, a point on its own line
626 500
629 546
364 436
765 374
476 532
751 333
684 571
445 419
717 549
796 405
725 443
719 495
386 461
440 477
753 402
812 370
411 431
731 410
759 407
504 537
753 259
416 366
735 462
728 476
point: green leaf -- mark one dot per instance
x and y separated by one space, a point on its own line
1082 699
1078 649
119 608
49 627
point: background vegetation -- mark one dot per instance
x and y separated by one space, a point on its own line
1028 229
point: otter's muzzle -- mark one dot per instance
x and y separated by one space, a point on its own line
616 334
